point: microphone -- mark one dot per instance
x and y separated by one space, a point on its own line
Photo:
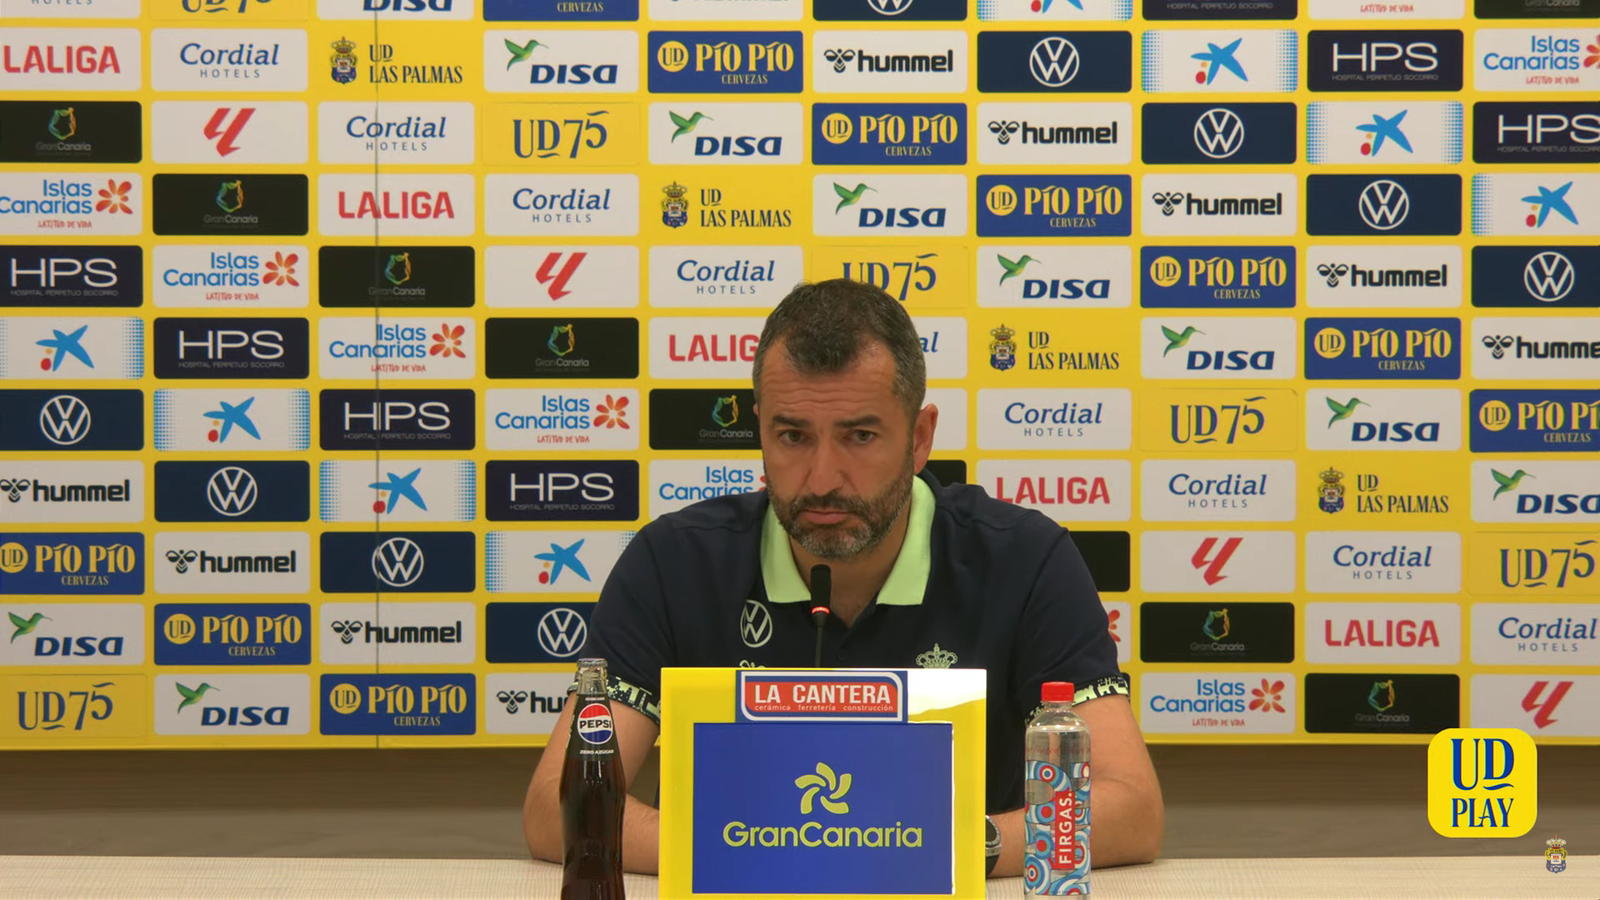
821 603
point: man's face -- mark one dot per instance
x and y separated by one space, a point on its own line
840 451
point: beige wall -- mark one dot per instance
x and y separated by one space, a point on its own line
1221 801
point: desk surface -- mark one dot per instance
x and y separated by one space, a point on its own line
1391 877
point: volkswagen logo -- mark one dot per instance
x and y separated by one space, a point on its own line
231 491
889 7
65 420
562 632
1549 276
839 58
755 624
1384 205
1219 133
398 562
1053 62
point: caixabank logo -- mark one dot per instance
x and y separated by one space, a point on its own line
1383 276
562 348
233 491
1549 421
396 133
1028 62
1536 132
562 276
562 419
1172 632
852 204
550 562
1534 59
404 419
1535 491
72 421
1209 134
1409 60
1383 205
1233 61
1046 276
231 421
889 62
51 349
703 419
1051 133
71 59
46 202
1217 277
230 204
415 562
1383 348
206 703
561 61
424 490
1384 632
40 275
1545 204
726 133
233 634
234 347
1076 10
1536 276
70 131
196 59
74 634
75 563
1219 490
1388 419
726 62
1383 134
1381 703
898 134
572 491
229 276
430 704
1055 205
397 276
1231 205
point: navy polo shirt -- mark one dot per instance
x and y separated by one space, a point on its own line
978 583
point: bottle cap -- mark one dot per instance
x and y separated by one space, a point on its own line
1056 692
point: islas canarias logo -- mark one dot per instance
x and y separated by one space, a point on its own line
827 789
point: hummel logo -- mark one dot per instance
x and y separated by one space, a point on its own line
1333 272
839 58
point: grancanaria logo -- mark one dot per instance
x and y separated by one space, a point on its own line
824 778
828 788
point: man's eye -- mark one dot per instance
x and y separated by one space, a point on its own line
790 437
863 437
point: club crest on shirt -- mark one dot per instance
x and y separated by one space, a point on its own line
936 658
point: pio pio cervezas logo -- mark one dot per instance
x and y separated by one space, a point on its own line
824 779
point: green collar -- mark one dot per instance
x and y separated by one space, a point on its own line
908 580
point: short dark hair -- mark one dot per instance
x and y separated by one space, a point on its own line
825 325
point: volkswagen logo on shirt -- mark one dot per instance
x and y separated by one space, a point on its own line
562 632
1053 62
755 624
1219 133
1384 205
231 491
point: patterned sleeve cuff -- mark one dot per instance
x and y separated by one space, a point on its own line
634 697
1100 687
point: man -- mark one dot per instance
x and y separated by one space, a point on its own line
922 574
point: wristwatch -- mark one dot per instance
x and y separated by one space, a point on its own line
991 845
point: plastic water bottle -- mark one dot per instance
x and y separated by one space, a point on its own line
1055 858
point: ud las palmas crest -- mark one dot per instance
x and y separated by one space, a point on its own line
1330 493
344 61
1002 350
675 206
1555 856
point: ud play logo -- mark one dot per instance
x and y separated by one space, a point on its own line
1536 132
396 276
71 131
1388 419
260 60
361 347
208 133
1542 349
1078 491
232 348
431 704
856 204
440 134
1053 277
1217 277
232 276
562 419
1242 205
1383 348
1549 421
230 204
356 634
1051 419
1220 702
1382 134
562 348
722 62
889 62
1054 205
54 491
1534 491
1547 204
71 59
703 348
1219 490
76 276
1380 276
677 483
233 491
397 10
524 702
46 202
572 491
415 562
401 419
562 276
205 703
76 421
1383 205
1249 562
1387 632
1047 133
397 206
1220 134
232 634
74 634
1229 62
431 490
230 421
1227 347
1550 634
234 562
550 562
35 347
1384 60
75 563
881 10
901 134
726 133
723 276
565 205
1534 59
1095 62
1383 562
557 62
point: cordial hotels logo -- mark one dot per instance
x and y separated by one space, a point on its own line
889 62
1383 133
1217 491
236 562
1384 60
908 134
1096 491
562 277
703 348
854 204
400 206
675 484
35 347
721 62
1383 562
1535 204
72 492
562 420
1263 205
1053 276
1388 632
1383 277
1383 348
1050 133
211 704
561 61
1556 634
255 59
723 276
1219 702
1252 562
1230 62
1033 62
565 205
551 562
1536 59
55 275
1547 421
255 277
1379 419
396 10
224 421
1534 491
412 633
397 348
1535 132
1049 419
944 342
1252 348
1536 349
726 133
1217 277
73 634
212 132
396 133
44 202
71 59
1054 205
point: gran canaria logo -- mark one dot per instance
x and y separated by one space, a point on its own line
828 788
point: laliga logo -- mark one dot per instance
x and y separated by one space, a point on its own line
594 723
837 787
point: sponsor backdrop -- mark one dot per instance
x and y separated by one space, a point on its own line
345 344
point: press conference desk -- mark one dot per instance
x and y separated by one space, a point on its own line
197 877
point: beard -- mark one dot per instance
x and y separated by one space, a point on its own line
845 541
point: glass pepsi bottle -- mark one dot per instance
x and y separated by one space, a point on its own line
593 791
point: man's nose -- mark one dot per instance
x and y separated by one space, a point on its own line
827 470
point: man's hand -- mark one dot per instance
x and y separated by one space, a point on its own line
1127 815
541 809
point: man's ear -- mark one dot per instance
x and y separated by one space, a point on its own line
922 429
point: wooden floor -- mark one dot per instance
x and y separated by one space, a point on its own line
1280 801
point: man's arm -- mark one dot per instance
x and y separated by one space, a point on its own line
541 809
1127 817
